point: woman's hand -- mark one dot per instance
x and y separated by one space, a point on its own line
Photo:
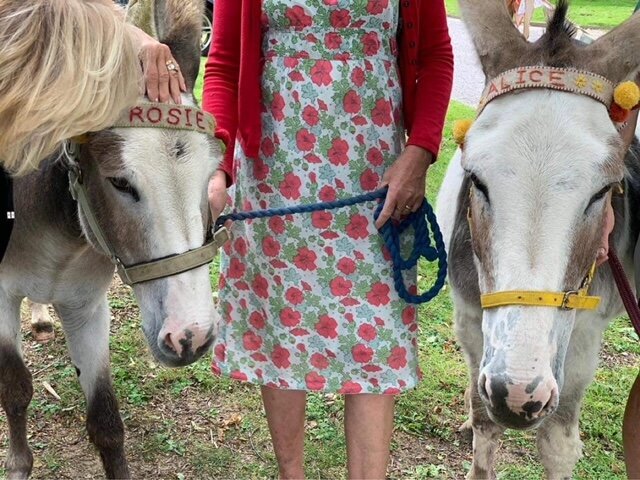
609 223
406 180
163 80
217 192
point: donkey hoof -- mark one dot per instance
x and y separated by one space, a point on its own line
42 332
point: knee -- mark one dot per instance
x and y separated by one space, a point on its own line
15 380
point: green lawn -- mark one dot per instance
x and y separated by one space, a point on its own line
604 14
185 423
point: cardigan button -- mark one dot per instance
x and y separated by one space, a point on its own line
406 3
409 24
412 44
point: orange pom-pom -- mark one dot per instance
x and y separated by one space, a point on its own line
618 114
460 129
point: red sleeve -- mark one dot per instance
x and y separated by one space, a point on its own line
434 77
221 75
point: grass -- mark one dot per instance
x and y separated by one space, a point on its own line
604 14
186 423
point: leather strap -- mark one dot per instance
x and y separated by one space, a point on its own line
174 264
625 290
565 300
143 272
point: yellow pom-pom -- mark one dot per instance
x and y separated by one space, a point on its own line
627 95
460 129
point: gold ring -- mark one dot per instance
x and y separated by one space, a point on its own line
171 66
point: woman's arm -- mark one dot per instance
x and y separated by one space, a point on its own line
435 77
222 73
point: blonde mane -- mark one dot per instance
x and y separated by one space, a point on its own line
66 67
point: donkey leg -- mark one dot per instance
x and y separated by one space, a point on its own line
558 438
41 322
87 333
16 389
486 434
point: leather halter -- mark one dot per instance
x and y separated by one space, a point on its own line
146 115
563 79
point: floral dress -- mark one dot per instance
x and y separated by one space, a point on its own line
308 301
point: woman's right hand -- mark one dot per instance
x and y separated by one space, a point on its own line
217 193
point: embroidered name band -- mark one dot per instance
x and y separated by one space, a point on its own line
162 115
563 79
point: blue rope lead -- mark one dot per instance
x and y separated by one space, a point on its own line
421 220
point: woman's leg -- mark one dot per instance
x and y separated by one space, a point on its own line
285 415
631 431
368 424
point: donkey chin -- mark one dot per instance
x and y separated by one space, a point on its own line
178 317
522 369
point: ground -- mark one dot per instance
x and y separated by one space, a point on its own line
185 423
586 13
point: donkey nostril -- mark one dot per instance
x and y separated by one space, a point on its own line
552 403
168 341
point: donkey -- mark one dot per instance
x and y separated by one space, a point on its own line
523 209
147 189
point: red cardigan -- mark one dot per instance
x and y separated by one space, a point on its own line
232 91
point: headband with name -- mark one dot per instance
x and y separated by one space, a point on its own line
162 115
562 79
619 100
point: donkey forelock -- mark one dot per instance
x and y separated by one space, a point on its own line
501 47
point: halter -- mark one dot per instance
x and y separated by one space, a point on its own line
151 115
567 80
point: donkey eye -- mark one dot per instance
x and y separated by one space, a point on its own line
122 185
599 196
481 187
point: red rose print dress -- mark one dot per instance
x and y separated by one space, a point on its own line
308 301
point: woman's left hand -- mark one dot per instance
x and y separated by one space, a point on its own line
163 80
406 180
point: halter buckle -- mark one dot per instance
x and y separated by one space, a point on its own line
565 299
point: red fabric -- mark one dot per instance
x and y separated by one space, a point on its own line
234 69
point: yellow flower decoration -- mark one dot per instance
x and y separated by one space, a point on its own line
460 129
581 81
598 86
627 95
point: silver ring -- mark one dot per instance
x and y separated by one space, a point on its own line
407 207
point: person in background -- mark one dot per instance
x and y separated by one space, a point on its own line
314 100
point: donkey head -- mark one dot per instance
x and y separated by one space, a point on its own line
541 165
147 187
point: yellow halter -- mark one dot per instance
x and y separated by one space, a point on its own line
572 299
569 300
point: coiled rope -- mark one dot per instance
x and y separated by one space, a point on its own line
421 220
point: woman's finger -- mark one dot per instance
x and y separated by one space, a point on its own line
387 211
150 67
163 62
174 86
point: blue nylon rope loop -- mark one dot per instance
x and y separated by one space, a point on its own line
422 221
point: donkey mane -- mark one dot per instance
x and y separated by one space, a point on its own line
557 48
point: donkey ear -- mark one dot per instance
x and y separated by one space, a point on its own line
179 25
498 42
616 55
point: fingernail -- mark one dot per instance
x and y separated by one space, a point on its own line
602 252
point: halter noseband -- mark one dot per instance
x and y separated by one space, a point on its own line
152 115
551 78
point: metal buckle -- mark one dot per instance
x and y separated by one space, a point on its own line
221 236
565 299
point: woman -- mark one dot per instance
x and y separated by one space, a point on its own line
311 98
66 68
